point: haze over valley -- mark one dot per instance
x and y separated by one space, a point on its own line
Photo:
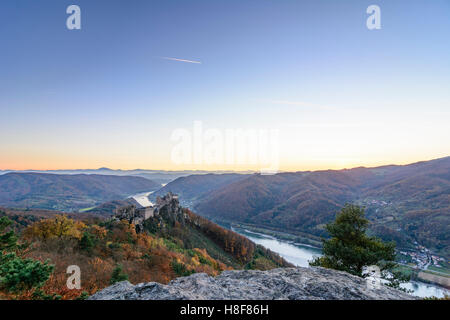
408 204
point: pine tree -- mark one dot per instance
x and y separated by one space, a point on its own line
16 273
350 249
86 242
118 275
8 239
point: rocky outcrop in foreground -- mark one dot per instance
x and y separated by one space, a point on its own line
284 283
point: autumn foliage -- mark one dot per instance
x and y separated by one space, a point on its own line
142 257
107 251
60 227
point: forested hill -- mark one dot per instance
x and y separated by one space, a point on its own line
194 188
404 203
67 192
175 243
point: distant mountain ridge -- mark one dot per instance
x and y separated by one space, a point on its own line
159 176
405 203
67 192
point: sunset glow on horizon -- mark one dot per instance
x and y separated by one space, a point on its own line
113 93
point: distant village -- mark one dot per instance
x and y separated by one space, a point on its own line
422 257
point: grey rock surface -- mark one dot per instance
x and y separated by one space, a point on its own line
284 283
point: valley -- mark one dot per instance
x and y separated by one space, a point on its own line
173 243
300 254
405 204
285 213
69 193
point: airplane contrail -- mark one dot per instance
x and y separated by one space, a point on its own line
181 60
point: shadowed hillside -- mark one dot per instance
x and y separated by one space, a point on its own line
405 203
196 187
67 192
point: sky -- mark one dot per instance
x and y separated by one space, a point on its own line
116 92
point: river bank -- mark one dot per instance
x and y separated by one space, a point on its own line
301 253
434 279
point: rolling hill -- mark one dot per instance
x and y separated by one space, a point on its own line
176 242
67 192
404 203
159 176
192 189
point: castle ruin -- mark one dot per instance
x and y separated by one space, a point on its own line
137 216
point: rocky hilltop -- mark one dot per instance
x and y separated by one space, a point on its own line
283 283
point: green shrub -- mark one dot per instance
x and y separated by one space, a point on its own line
87 242
16 273
180 269
118 275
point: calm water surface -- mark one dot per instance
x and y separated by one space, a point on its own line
300 254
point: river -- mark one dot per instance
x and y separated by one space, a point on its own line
299 254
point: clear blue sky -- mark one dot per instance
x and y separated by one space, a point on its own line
340 94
